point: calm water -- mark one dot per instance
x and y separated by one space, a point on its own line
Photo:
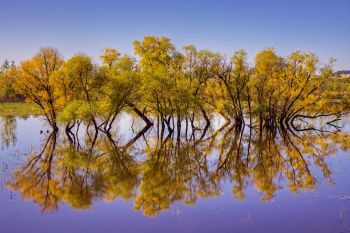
223 180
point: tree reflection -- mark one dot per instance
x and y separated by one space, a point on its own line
170 166
173 170
8 125
34 179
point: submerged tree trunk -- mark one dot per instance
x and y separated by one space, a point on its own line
140 114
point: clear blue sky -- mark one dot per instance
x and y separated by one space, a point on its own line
74 26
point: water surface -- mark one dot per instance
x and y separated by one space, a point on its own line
219 179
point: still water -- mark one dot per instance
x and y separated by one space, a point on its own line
218 179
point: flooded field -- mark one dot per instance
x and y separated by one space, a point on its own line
219 178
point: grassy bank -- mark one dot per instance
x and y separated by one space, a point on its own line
19 109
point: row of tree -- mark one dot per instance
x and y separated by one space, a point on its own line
174 85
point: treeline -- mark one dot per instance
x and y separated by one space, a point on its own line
7 91
174 85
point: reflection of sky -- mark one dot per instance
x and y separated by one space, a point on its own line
322 210
28 136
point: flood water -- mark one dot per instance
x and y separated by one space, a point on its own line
219 179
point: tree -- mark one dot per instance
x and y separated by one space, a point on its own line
120 89
7 92
109 56
79 85
33 80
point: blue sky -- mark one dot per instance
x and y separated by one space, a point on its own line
87 26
